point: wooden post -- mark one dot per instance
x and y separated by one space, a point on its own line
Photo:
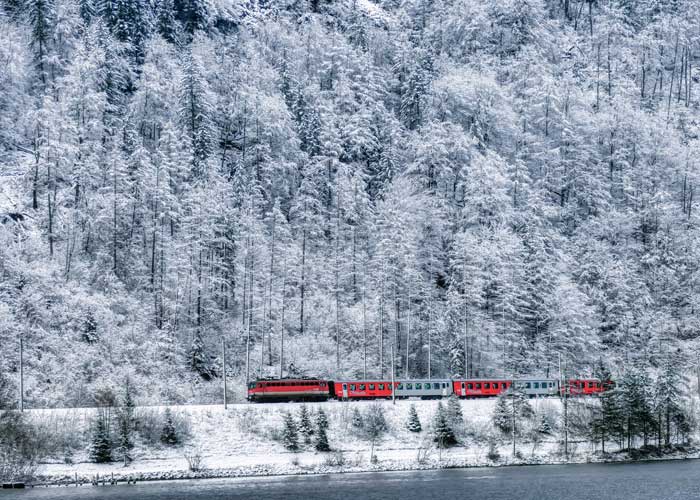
223 371
21 373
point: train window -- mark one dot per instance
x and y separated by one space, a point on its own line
551 384
478 386
470 386
536 385
371 387
436 385
444 385
503 385
409 387
419 387
399 386
381 387
352 387
487 385
527 385
362 387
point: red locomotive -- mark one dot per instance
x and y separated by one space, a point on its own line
290 390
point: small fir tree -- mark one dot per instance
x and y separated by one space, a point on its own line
454 411
357 421
544 426
322 440
502 417
321 420
443 434
305 428
101 444
290 438
413 423
168 435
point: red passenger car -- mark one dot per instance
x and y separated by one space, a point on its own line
478 388
289 390
586 387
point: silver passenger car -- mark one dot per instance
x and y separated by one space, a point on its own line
424 388
538 386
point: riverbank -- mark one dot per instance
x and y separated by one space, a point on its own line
245 440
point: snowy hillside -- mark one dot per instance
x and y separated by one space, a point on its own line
483 188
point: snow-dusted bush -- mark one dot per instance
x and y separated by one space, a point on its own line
151 424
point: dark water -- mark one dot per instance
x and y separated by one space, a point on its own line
677 480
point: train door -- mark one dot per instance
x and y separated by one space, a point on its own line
345 390
463 387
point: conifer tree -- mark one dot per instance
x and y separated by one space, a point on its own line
322 420
101 443
41 15
502 417
671 388
544 427
198 359
322 440
168 434
357 421
195 114
413 423
442 432
454 411
165 20
305 428
290 437
125 421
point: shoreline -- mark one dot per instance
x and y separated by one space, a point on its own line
272 471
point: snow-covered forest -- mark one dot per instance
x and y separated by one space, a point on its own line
478 188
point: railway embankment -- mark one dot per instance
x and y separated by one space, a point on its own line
252 440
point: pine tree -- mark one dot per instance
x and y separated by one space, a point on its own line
41 18
168 434
198 360
321 420
357 421
671 388
454 411
125 420
442 432
290 438
544 427
322 440
101 444
413 423
195 114
608 419
165 20
305 428
502 416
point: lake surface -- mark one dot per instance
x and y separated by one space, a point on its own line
674 480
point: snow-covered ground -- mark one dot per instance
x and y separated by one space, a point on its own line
244 441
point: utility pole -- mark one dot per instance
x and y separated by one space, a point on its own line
512 384
408 327
566 413
223 371
21 373
393 388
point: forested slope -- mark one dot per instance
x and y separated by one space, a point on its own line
480 187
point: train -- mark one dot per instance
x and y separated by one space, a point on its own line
315 389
